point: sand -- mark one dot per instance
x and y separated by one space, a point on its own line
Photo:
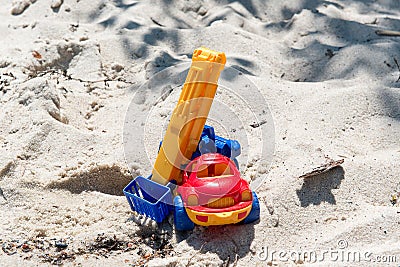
70 72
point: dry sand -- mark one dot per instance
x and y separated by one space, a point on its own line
69 70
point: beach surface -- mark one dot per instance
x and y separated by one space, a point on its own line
71 70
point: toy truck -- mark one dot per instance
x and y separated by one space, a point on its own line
210 189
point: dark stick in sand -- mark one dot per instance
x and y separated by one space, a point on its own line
387 33
323 168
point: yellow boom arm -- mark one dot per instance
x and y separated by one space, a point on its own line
189 116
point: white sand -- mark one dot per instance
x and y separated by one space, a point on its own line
329 80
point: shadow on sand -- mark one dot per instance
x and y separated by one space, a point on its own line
318 188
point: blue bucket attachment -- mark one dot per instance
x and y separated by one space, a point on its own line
149 198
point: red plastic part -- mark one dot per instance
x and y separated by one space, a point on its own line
202 218
242 215
210 188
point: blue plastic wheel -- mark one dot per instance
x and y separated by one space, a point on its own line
181 219
254 214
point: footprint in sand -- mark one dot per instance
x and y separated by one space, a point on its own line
18 7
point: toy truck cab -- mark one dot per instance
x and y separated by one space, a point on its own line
213 193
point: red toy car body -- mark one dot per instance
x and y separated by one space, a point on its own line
213 191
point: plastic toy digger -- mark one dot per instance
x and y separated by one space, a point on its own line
214 194
189 116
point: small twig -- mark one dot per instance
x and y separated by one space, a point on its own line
2 194
387 33
258 124
323 168
236 260
23 172
398 67
236 248
191 258
156 22
226 262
